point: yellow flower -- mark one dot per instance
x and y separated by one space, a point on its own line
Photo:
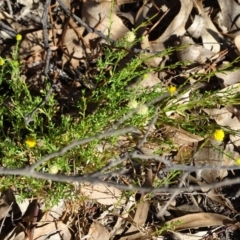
237 161
130 37
2 61
219 135
31 142
172 89
18 37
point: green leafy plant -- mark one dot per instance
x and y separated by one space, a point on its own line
112 100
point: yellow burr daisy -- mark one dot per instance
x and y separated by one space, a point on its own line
172 89
31 142
219 135
18 37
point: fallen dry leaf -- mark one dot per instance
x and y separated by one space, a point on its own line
52 231
195 30
193 52
228 78
16 234
182 236
229 15
97 231
122 220
106 195
237 43
141 213
180 136
197 220
100 17
209 35
177 26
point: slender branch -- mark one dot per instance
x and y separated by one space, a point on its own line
81 142
88 178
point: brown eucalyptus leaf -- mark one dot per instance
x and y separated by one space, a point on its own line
18 233
33 43
15 25
55 212
224 118
55 231
97 231
100 16
193 52
196 27
180 136
209 35
177 26
122 220
141 16
230 15
141 213
152 46
148 81
8 204
211 193
228 78
237 43
197 220
182 236
106 195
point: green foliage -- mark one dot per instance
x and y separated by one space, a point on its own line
168 227
111 100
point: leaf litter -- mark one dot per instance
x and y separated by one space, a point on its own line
203 30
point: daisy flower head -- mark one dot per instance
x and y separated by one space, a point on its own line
1 61
18 37
172 89
31 142
130 37
219 135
